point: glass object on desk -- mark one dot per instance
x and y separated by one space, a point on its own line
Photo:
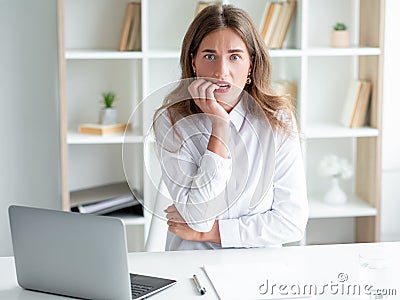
375 277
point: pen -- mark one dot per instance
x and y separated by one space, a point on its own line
200 288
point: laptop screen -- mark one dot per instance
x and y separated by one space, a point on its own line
71 254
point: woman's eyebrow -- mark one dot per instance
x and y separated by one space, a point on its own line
209 50
229 51
235 50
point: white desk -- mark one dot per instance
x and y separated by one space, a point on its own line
320 261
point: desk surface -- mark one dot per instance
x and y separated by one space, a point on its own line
326 261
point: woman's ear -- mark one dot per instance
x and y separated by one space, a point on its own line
193 64
251 63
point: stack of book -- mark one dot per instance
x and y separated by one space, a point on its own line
131 37
99 129
105 199
276 22
356 104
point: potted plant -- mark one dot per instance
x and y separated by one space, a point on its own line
108 113
340 36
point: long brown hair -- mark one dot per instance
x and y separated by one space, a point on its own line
214 17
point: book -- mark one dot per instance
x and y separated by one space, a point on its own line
104 199
272 25
126 26
266 17
289 9
99 129
362 105
134 42
277 17
201 5
108 206
353 93
275 35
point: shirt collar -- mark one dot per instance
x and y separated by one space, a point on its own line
237 115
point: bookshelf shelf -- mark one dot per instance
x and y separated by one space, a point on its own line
325 51
352 51
322 75
285 53
164 54
355 207
76 138
102 54
329 130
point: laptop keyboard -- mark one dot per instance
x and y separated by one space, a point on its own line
139 289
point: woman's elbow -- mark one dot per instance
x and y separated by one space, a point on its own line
298 230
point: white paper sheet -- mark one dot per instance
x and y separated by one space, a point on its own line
270 280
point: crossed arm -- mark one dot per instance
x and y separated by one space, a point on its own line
178 226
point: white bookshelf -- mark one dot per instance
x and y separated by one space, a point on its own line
75 138
325 51
322 75
331 130
285 53
335 52
101 54
355 207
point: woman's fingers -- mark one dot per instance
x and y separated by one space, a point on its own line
173 214
206 90
196 88
170 208
202 89
176 217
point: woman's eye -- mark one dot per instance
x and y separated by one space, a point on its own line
209 56
235 57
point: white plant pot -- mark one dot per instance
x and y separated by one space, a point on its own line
335 195
340 38
108 116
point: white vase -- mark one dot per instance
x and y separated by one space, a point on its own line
108 116
335 195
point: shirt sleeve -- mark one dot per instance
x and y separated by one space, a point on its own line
286 220
196 184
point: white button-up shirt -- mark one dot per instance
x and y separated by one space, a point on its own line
258 194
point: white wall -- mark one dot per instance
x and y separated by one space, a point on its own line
391 138
29 111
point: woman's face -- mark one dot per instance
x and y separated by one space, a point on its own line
223 57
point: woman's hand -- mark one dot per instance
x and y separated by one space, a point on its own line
178 226
202 92
173 214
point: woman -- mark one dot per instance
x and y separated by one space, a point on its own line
229 148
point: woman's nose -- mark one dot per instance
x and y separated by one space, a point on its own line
221 69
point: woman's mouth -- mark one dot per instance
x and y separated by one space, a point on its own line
223 87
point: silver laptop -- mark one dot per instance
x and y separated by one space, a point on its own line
77 255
